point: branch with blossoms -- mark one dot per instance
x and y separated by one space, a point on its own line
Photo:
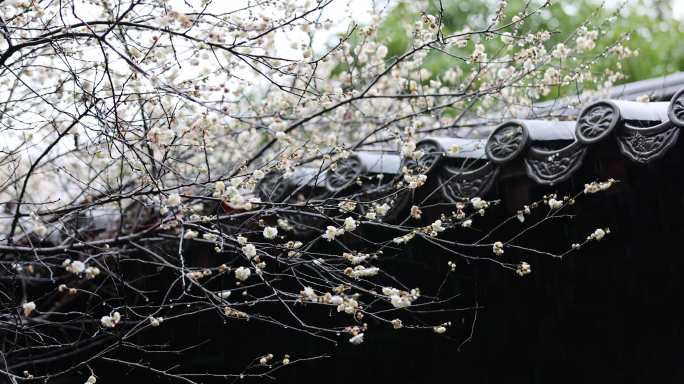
141 141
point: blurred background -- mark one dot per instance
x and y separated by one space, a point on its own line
655 27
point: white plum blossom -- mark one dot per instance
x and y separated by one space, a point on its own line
357 339
381 51
210 236
308 294
400 301
28 308
416 212
404 239
598 234
399 298
414 181
408 150
560 51
382 209
347 205
349 224
173 200
361 271
454 150
242 273
555 204
595 187
156 321
506 37
521 216
478 54
478 203
586 40
270 232
92 272
284 224
195 275
506 73
265 359
40 229
160 136
219 188
111 321
523 269
552 76
331 232
249 250
437 226
336 300
497 248
356 259
348 306
76 267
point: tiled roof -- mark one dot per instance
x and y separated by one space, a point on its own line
460 168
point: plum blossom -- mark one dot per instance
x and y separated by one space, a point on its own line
111 321
497 248
586 40
331 232
270 232
249 250
173 200
242 273
356 339
356 259
361 271
523 269
76 267
416 212
219 188
437 226
349 224
156 321
595 186
382 209
28 308
478 203
309 294
598 234
555 204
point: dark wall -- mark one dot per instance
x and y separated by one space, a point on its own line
608 313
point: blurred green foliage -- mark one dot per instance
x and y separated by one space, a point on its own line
652 28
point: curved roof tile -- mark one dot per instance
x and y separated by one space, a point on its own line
460 168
